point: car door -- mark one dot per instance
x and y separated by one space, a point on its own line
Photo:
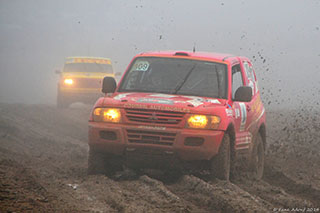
254 107
242 111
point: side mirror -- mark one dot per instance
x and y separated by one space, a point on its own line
118 74
109 85
243 94
57 71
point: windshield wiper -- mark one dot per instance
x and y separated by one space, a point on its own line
147 90
178 87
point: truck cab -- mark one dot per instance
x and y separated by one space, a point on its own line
81 79
175 109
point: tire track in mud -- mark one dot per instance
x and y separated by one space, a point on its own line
57 157
280 190
217 196
276 196
22 190
37 146
303 191
51 146
142 194
29 194
154 196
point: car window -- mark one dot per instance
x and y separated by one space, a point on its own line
236 79
176 76
88 67
252 72
249 71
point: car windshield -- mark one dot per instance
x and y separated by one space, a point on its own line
176 76
88 67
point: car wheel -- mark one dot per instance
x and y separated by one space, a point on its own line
220 164
257 159
96 162
172 175
102 163
61 101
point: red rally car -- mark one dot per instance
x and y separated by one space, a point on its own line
180 108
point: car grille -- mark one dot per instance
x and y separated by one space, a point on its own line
87 82
154 117
151 137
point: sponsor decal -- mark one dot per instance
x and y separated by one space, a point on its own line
243 111
195 102
141 66
180 102
256 105
229 112
155 101
120 96
258 118
237 112
162 96
152 127
244 141
213 101
157 107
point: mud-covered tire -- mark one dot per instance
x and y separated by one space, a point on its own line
61 101
220 164
102 163
96 163
257 159
172 175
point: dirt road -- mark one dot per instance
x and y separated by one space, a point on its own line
43 161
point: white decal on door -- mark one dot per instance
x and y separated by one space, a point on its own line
237 113
243 116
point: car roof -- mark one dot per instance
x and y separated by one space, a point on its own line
202 55
89 57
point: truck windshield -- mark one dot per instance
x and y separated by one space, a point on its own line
88 67
176 76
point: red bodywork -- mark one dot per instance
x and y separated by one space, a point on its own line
141 130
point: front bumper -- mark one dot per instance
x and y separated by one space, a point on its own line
81 94
149 142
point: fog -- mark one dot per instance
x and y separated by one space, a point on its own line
282 38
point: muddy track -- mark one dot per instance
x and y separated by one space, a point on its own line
43 160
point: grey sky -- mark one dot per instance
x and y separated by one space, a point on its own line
36 36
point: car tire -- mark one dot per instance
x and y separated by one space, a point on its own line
102 163
220 165
257 158
172 175
96 162
61 101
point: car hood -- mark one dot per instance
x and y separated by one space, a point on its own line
161 101
85 75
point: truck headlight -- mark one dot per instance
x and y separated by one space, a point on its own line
112 115
68 81
203 122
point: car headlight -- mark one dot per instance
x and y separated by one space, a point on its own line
203 122
112 115
68 81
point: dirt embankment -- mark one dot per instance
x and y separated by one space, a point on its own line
43 161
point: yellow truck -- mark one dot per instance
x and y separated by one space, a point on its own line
81 79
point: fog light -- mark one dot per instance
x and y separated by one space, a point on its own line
108 135
193 141
68 81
